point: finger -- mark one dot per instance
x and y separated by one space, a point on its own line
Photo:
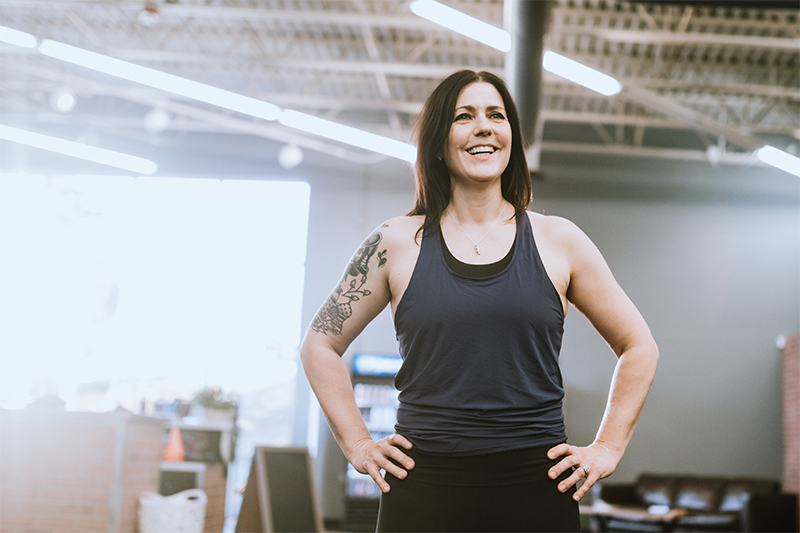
565 485
588 483
381 457
397 455
563 465
388 446
558 451
375 473
400 440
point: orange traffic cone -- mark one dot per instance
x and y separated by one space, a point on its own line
174 450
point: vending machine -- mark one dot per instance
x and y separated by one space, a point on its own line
376 397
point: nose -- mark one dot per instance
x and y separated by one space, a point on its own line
483 126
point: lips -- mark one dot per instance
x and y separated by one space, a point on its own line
482 150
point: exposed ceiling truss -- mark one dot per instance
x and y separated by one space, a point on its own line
696 78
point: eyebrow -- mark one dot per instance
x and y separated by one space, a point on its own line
472 108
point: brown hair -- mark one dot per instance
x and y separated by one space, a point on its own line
433 190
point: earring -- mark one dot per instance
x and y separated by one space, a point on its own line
438 157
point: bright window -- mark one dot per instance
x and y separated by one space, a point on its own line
156 287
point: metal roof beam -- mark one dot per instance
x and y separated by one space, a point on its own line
216 12
687 38
690 117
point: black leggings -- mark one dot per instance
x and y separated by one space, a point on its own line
505 491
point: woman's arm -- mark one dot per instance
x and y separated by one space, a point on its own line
594 292
359 298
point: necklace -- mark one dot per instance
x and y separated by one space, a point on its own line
476 243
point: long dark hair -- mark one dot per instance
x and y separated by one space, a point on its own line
433 190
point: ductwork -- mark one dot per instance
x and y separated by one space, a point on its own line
527 22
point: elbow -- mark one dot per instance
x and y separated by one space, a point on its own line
315 349
306 353
651 355
644 354
654 352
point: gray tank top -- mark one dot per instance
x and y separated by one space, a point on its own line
480 369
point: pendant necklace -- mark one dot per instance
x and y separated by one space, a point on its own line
476 243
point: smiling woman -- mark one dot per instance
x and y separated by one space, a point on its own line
478 287
479 144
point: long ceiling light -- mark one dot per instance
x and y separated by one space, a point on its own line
17 38
226 99
580 74
779 159
462 23
160 80
81 151
346 134
501 40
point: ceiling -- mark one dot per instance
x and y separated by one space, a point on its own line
702 80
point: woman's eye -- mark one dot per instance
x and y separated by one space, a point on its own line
497 116
462 116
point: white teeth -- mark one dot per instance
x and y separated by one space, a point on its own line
481 150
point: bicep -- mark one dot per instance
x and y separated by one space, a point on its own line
594 292
359 297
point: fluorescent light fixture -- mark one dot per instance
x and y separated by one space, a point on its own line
161 80
81 151
779 159
227 99
346 134
580 74
462 23
17 38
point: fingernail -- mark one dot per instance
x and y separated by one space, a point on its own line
410 464
552 475
562 488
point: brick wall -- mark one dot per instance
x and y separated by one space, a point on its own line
143 452
791 415
75 472
214 487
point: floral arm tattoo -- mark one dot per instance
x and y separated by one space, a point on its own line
337 308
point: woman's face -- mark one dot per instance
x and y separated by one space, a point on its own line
478 146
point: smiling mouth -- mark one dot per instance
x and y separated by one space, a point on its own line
482 150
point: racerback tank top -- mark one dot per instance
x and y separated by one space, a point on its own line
480 369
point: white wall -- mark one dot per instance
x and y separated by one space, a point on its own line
714 266
717 283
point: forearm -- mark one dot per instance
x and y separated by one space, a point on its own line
330 380
633 376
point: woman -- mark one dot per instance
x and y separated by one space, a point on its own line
478 288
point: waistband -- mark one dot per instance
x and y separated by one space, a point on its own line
526 465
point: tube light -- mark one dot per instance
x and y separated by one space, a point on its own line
227 99
580 74
462 23
161 80
81 151
779 159
17 38
346 134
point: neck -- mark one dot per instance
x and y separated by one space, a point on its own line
477 207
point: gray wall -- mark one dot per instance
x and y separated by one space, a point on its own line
711 256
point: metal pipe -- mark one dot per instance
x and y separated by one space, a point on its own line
527 22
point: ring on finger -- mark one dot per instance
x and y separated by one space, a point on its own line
585 470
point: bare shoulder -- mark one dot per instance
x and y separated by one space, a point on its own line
399 232
557 231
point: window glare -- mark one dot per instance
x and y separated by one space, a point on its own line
158 285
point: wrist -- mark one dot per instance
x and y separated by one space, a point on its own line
615 451
356 447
